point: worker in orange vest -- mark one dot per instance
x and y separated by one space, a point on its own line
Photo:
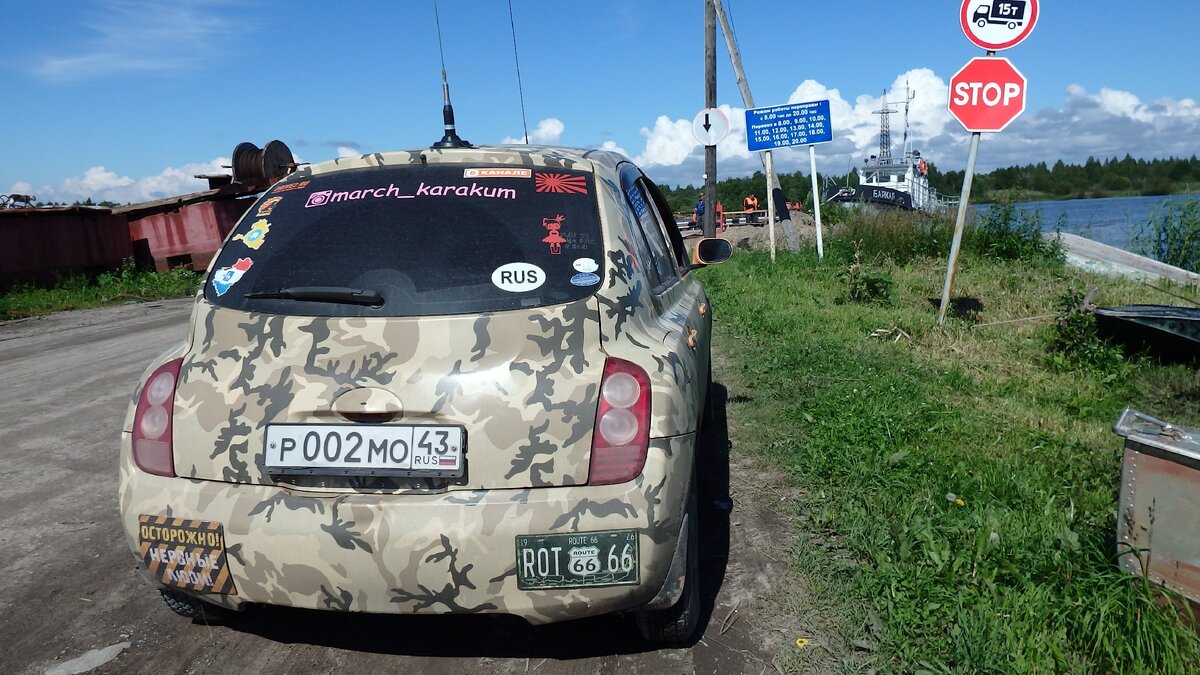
750 203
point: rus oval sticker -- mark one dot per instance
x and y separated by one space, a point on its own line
518 277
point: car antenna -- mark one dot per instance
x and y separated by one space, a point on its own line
450 139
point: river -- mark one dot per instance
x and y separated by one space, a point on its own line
1111 220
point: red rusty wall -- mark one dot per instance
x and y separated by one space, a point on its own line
195 230
39 245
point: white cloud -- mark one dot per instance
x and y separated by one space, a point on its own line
547 132
668 143
142 36
347 151
612 146
101 184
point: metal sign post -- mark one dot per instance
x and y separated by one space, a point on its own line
812 170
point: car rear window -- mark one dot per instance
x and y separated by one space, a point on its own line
427 239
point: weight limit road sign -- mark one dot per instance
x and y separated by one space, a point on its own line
998 24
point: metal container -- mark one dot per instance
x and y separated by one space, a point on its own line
43 245
188 235
1158 525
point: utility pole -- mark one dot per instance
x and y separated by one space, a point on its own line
710 101
735 58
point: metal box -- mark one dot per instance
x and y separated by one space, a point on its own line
1158 525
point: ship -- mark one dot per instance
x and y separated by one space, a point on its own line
886 180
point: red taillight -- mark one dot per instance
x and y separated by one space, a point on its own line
152 421
622 433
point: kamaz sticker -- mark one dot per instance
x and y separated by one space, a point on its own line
560 182
497 173
255 236
585 265
187 554
228 276
290 186
518 277
268 206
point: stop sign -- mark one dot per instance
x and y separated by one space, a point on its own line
987 94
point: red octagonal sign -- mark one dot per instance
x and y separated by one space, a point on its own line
987 94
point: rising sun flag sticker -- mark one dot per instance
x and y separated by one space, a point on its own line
560 182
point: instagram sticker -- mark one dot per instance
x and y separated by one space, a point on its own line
318 199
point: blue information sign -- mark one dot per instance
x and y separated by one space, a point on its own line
782 126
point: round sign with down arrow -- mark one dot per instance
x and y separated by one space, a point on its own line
710 126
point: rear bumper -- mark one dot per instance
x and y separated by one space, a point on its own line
453 552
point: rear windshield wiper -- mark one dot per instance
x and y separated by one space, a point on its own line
349 296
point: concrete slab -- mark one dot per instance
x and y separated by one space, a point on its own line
1112 261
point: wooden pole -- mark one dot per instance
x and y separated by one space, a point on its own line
735 58
710 101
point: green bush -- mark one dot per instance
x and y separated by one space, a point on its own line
864 284
124 284
1005 232
1075 343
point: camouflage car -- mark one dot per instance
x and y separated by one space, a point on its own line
437 381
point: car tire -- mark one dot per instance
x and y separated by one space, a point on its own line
678 623
195 608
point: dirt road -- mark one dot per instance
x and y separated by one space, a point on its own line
72 601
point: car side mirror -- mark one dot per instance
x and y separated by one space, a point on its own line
711 251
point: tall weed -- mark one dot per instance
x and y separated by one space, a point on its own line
1172 235
1005 232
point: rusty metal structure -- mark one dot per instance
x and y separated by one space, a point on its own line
42 245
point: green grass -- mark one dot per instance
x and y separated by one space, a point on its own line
959 482
122 285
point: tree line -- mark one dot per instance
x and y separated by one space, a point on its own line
1094 178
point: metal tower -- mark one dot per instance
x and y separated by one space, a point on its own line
885 131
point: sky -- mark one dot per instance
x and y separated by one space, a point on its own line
126 100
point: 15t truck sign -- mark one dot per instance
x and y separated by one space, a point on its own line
998 24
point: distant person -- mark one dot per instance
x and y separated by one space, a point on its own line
698 212
750 203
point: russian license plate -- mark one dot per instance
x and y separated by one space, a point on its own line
576 559
361 450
